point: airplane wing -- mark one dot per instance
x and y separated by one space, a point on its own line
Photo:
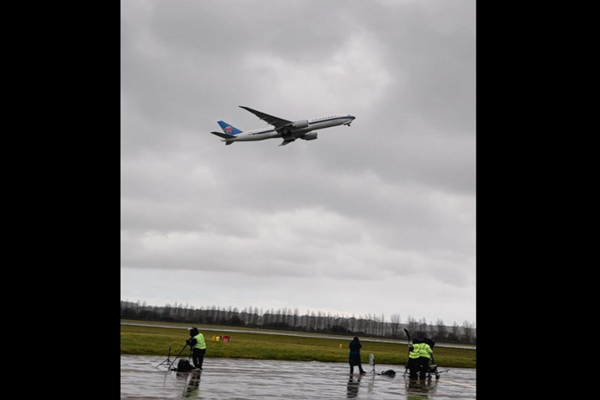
275 121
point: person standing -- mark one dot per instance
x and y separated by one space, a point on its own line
198 346
354 356
413 358
425 354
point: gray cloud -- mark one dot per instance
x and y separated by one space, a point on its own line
374 218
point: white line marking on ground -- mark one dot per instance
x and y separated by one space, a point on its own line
458 383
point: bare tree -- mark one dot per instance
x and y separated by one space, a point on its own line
441 332
454 333
412 325
468 331
370 324
423 326
395 324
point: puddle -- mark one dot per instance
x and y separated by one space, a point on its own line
148 377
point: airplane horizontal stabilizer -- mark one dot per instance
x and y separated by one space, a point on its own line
224 135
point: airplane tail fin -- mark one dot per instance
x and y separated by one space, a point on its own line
229 129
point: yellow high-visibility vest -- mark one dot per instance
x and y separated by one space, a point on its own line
200 343
425 350
416 351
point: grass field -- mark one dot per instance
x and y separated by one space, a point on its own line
155 340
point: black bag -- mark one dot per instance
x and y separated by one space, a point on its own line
389 372
184 365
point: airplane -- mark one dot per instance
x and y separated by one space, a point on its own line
289 131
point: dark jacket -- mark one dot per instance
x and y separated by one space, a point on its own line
355 345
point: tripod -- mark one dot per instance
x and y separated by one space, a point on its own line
168 361
372 362
183 348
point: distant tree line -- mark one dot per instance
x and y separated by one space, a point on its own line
287 319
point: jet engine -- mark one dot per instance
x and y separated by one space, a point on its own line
300 124
310 136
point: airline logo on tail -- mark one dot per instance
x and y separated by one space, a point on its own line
228 129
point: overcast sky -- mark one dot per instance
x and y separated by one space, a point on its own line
375 218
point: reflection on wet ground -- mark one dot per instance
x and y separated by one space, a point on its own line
148 377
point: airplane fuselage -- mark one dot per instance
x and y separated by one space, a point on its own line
313 125
288 130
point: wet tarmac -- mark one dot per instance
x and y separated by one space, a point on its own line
148 377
